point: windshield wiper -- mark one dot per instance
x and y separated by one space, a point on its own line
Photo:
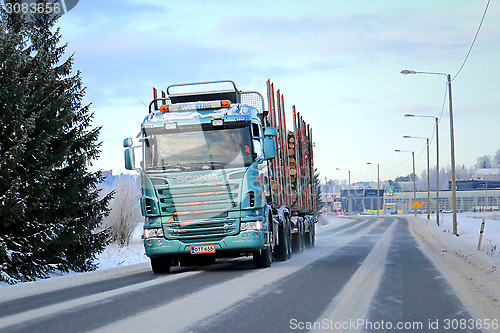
168 167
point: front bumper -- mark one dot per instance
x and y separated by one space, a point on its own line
245 241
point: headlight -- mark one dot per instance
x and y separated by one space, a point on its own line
254 225
153 233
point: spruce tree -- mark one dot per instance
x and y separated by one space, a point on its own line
50 210
317 193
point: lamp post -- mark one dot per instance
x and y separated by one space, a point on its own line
414 187
348 191
452 148
437 160
428 179
378 186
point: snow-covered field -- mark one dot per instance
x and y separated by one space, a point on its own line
469 225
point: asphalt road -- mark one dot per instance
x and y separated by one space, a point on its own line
365 275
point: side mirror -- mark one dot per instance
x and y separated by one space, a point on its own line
129 158
269 148
127 142
270 131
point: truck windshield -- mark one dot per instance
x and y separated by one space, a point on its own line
198 150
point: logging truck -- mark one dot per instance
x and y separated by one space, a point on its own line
221 176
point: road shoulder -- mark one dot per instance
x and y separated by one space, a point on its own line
474 275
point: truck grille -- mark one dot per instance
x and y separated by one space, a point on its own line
199 210
201 228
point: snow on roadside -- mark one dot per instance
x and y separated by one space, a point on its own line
469 226
115 255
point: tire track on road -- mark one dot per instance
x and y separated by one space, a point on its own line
412 291
353 301
26 318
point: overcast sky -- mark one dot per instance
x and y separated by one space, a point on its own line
339 62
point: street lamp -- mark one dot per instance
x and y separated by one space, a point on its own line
428 179
414 187
452 142
408 115
378 186
348 191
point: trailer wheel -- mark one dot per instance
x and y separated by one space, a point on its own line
298 238
160 265
310 237
289 237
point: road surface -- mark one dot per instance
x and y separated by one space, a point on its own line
366 274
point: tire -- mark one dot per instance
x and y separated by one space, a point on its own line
313 235
303 237
160 265
298 241
288 233
297 238
282 249
263 258
310 237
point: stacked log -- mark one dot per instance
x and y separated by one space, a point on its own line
293 165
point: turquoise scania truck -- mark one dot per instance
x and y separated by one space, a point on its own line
222 177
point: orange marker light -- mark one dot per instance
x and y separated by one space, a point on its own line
164 108
225 103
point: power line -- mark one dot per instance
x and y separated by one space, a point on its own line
473 41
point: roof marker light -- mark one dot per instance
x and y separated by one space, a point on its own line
170 126
217 122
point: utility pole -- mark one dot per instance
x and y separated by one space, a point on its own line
452 146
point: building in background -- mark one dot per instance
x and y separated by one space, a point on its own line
467 200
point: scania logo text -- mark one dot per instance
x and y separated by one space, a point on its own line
197 178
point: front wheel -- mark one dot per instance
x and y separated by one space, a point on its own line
160 265
263 258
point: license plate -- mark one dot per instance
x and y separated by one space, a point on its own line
199 249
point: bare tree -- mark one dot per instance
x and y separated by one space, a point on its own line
125 209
